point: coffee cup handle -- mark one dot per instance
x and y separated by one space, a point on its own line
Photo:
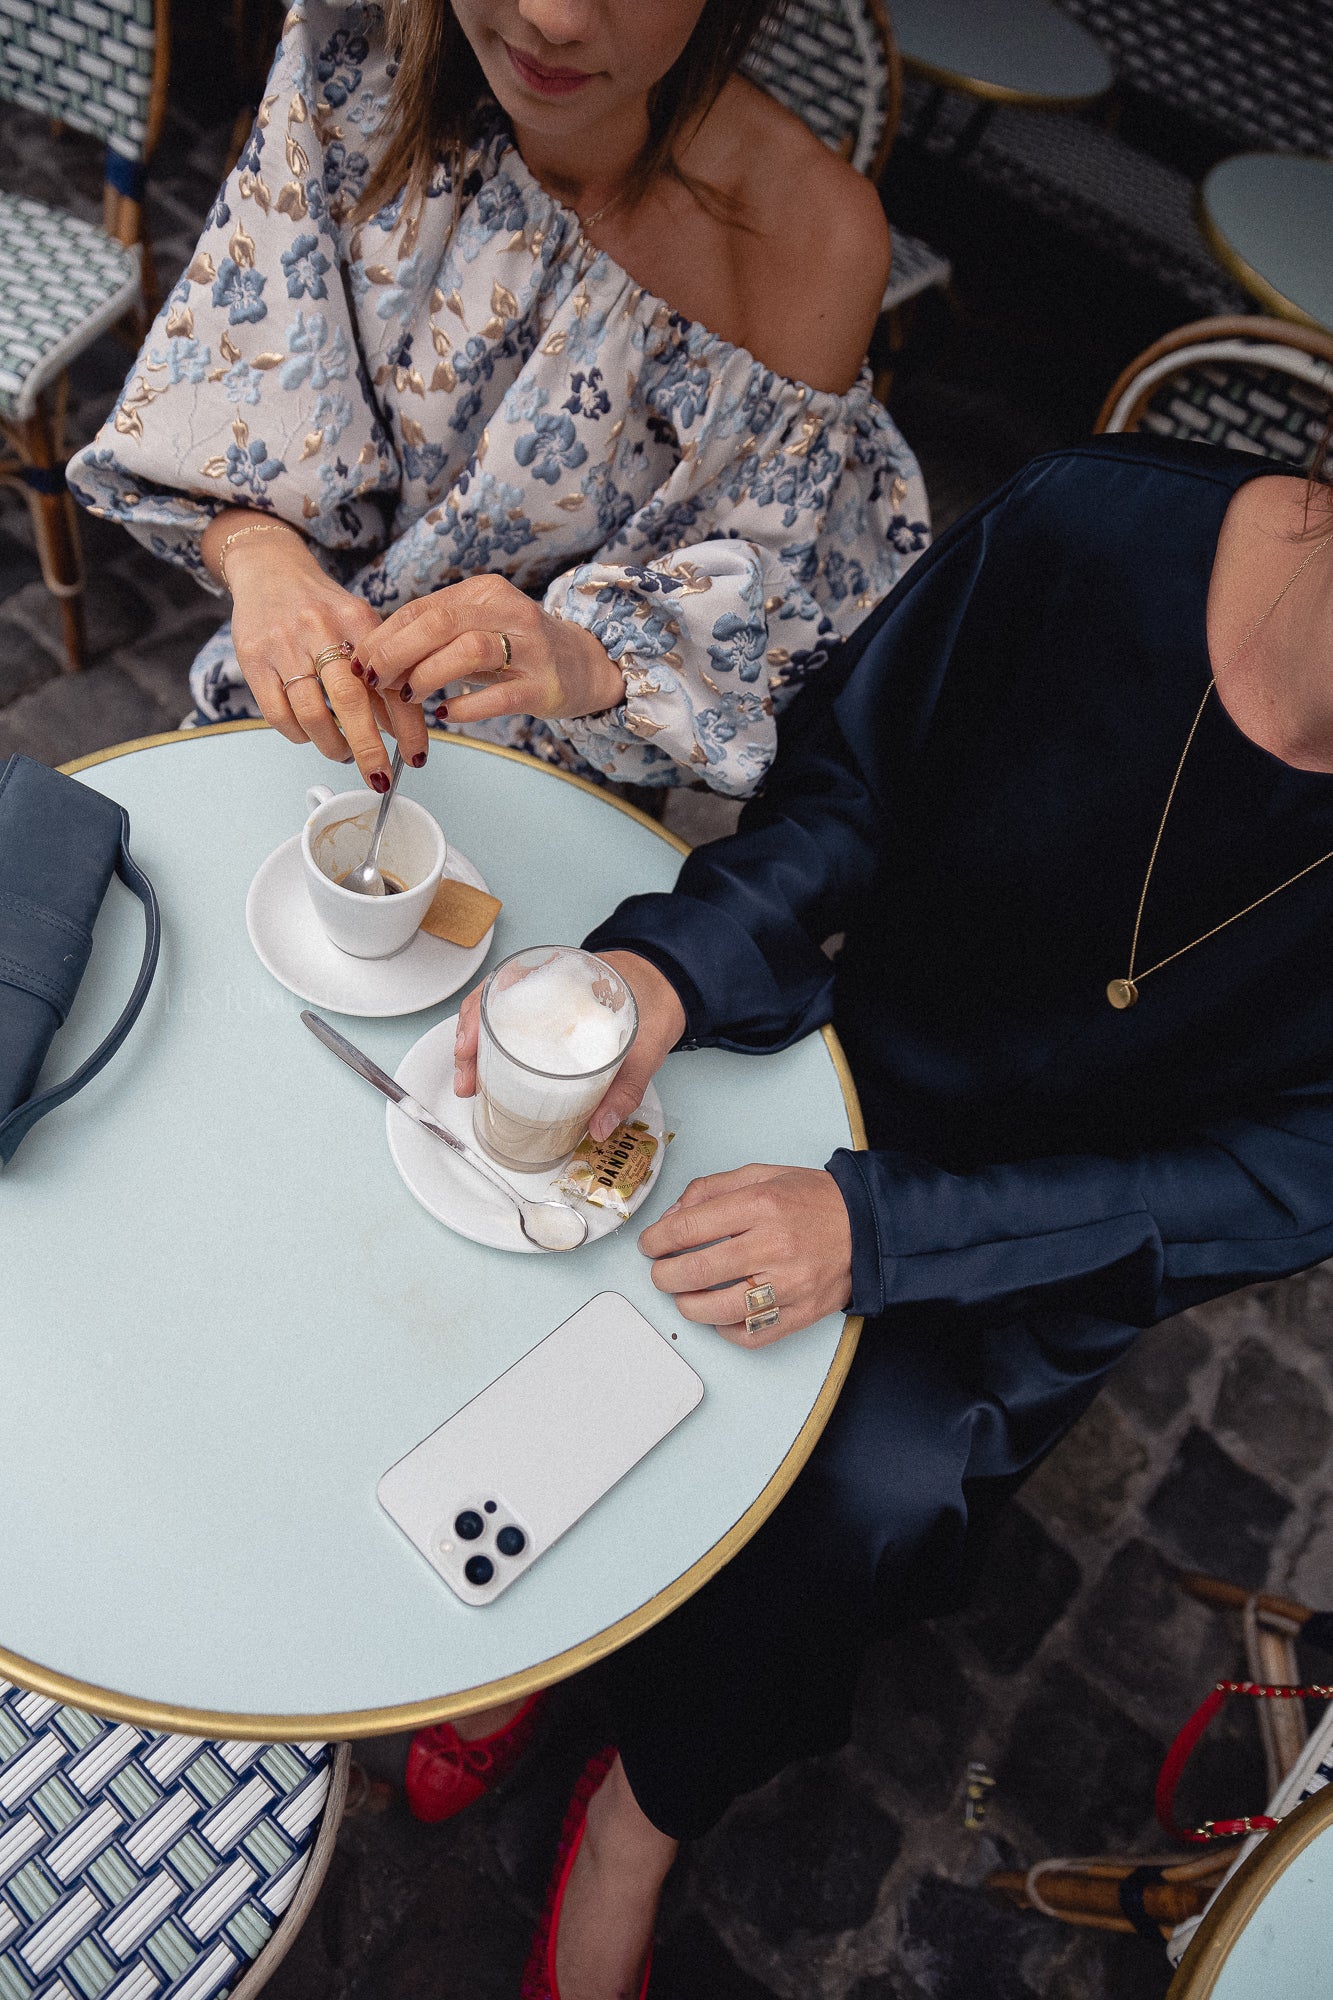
317 796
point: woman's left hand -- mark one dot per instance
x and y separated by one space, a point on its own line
781 1226
458 634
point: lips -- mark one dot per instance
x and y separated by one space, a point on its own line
547 82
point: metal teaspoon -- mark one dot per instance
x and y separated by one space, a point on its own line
365 879
551 1225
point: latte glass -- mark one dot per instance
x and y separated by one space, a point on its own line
556 1024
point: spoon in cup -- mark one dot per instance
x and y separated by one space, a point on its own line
365 879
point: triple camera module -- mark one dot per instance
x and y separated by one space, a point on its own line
469 1526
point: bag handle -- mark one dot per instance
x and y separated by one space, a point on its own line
24 1116
1179 1755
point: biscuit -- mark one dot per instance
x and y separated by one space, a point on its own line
461 914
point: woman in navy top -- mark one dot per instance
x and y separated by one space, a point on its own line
972 793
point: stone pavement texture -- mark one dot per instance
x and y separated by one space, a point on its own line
851 1877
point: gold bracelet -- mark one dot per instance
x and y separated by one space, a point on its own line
257 528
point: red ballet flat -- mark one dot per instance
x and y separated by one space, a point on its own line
445 1773
539 1972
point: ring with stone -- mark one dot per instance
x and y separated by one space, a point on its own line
342 651
761 1309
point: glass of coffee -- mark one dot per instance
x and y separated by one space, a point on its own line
556 1024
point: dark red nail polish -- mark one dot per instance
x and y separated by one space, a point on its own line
356 665
372 678
418 760
379 781
441 711
405 692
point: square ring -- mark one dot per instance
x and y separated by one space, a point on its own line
760 1299
761 1321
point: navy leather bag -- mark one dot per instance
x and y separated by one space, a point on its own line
60 844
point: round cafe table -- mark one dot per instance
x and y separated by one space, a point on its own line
225 1316
1023 52
1268 218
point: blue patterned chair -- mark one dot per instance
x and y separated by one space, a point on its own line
98 66
1260 385
835 64
137 1866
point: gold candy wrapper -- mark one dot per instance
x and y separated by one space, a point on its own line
609 1172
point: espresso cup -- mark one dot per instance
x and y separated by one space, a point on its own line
412 855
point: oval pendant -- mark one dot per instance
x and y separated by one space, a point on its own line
1122 993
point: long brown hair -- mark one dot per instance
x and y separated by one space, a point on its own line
439 96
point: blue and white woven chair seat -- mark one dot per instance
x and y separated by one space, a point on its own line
916 268
138 1866
62 282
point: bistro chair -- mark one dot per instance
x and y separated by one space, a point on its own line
835 64
1260 385
1166 1898
137 1864
98 66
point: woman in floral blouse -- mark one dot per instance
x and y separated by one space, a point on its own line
533 330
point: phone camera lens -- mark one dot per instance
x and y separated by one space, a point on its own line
468 1526
479 1569
511 1541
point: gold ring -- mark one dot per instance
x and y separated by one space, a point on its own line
299 677
761 1309
508 649
342 651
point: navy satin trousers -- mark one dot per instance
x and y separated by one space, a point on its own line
939 1420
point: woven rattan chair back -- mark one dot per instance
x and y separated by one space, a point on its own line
1260 385
833 62
98 66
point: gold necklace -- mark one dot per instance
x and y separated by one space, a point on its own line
1122 993
586 222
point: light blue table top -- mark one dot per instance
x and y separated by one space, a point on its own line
1269 1932
225 1316
1023 51
1287 1946
1271 220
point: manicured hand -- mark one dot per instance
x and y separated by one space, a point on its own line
285 611
661 1025
455 635
781 1226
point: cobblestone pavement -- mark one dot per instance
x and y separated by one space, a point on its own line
852 1877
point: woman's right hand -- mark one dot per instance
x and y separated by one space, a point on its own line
286 611
661 1025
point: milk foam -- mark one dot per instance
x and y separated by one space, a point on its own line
551 1021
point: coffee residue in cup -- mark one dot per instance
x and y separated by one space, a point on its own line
392 885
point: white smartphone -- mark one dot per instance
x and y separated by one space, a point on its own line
489 1491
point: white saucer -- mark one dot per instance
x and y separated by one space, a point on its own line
447 1186
290 941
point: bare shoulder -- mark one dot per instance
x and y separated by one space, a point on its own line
814 257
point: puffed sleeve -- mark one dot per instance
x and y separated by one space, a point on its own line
789 514
251 390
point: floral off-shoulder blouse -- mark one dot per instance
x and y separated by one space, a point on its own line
476 388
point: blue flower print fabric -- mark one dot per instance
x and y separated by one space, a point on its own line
472 387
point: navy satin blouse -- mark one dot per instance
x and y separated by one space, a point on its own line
971 794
